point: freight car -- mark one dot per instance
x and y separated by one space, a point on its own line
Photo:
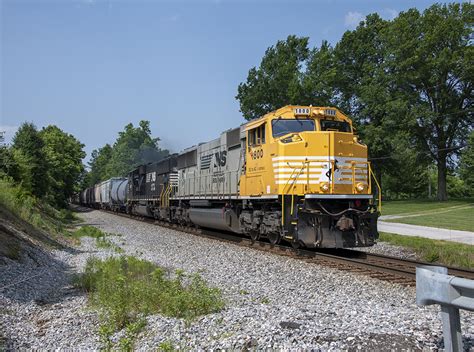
297 174
110 194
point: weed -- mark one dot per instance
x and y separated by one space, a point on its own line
265 300
127 288
88 231
244 292
166 346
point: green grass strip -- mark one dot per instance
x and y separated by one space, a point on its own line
434 251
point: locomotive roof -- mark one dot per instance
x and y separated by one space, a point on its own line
294 111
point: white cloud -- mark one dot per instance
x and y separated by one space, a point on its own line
9 132
352 19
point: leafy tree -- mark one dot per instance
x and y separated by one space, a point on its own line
28 154
430 64
133 147
467 165
64 154
367 93
319 80
8 166
278 79
98 165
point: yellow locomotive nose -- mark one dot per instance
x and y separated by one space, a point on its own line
307 179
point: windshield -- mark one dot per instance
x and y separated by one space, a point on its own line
331 125
281 127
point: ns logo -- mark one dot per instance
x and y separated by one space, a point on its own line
220 158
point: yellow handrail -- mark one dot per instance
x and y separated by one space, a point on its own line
378 188
161 195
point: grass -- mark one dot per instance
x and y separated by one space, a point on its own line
452 215
39 214
434 251
101 239
126 289
398 207
456 219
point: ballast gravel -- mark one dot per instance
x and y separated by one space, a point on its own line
271 301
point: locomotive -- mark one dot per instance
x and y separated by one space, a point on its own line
298 174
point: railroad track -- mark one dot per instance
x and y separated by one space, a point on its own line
385 268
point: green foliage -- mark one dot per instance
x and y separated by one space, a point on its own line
278 80
40 214
8 165
433 251
88 231
166 346
28 155
467 165
48 163
101 239
98 165
64 155
126 289
134 146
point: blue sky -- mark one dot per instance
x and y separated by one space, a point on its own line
92 66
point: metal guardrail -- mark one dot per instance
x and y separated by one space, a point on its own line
435 286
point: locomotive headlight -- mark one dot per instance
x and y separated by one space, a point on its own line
324 186
360 187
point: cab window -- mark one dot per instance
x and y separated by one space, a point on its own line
331 125
280 127
256 136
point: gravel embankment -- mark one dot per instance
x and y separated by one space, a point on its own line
272 301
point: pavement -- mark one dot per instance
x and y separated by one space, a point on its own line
435 233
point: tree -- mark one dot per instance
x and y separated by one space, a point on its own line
8 166
430 62
133 147
320 77
98 165
364 90
64 154
28 154
467 164
278 80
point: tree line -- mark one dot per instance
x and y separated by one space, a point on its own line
407 83
134 146
48 163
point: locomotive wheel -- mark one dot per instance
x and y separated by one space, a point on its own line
296 244
254 235
274 238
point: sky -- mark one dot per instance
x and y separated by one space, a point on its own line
92 66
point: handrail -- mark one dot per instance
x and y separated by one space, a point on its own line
379 189
161 194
